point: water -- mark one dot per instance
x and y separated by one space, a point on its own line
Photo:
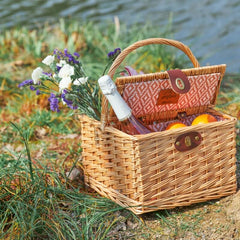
210 27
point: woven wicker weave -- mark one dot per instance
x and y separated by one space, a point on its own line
146 172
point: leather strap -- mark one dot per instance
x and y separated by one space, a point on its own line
179 81
188 141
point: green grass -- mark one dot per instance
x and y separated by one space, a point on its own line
47 207
179 224
37 200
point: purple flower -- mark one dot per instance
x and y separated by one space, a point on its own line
25 83
71 58
66 56
75 61
115 53
63 96
58 53
76 54
32 88
110 54
58 68
53 102
47 74
68 102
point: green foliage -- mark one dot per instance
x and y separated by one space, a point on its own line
43 211
58 123
36 202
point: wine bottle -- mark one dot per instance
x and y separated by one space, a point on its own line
129 122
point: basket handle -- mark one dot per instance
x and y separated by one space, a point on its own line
131 48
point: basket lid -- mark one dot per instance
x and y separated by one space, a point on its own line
151 96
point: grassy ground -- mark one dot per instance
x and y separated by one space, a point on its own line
40 151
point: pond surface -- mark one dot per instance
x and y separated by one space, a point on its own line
210 28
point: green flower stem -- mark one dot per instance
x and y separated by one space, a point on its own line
108 65
106 68
25 140
92 98
86 104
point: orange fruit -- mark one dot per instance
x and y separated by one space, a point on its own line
204 118
175 125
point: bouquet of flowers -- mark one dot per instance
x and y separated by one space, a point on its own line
67 83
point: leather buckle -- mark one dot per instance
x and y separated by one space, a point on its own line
179 81
188 141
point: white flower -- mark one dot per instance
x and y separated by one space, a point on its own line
66 71
61 63
80 81
36 75
64 83
48 60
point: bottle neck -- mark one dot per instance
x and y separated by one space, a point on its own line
138 125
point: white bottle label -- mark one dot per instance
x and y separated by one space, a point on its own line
109 89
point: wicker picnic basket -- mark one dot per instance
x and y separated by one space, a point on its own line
147 172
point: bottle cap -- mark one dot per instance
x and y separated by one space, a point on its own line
119 106
107 85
